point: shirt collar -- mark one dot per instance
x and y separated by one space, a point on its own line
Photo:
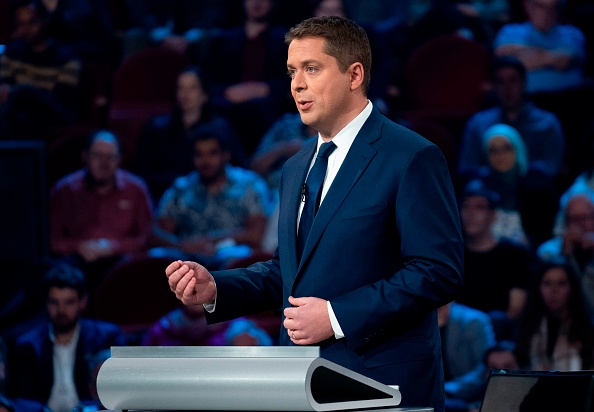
345 138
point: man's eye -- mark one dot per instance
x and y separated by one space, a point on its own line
291 73
311 69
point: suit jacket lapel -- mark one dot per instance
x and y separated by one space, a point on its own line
292 199
356 161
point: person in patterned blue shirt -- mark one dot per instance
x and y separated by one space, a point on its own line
215 213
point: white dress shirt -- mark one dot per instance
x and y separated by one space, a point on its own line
343 141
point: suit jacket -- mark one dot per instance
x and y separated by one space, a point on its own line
30 366
385 249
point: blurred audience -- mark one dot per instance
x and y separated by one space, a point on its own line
216 212
100 212
49 363
184 326
285 137
85 25
540 130
466 335
497 271
245 332
165 148
528 197
575 243
253 91
553 53
179 25
556 331
39 78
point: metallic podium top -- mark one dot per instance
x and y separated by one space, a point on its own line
235 378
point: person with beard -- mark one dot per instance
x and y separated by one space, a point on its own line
101 212
49 363
216 212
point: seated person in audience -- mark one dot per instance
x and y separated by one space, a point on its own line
556 330
165 148
540 130
583 182
502 356
49 363
553 53
251 93
215 213
85 25
101 212
466 335
245 332
496 270
184 326
39 78
284 138
179 24
575 242
528 197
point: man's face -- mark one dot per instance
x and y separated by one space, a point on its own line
320 90
476 215
257 9
510 87
27 24
103 159
209 159
64 308
541 13
579 215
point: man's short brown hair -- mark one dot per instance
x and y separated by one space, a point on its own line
346 41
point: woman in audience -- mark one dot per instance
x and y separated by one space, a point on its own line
528 196
165 149
556 332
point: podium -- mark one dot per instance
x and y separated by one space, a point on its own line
237 378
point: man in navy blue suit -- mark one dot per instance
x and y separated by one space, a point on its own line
385 248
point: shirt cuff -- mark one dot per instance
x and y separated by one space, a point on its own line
210 307
338 334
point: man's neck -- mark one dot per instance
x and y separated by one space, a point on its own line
215 185
481 243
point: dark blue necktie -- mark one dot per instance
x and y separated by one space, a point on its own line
311 192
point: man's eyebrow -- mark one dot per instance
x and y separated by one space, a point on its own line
305 63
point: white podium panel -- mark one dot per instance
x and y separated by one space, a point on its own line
235 378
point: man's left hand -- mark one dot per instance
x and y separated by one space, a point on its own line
307 321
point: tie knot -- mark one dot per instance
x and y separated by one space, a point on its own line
326 149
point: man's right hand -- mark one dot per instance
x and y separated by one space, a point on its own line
191 282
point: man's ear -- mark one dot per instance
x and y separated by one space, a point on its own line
357 73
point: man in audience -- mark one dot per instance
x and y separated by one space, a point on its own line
214 213
553 53
99 213
466 335
540 130
39 78
251 93
49 363
496 270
